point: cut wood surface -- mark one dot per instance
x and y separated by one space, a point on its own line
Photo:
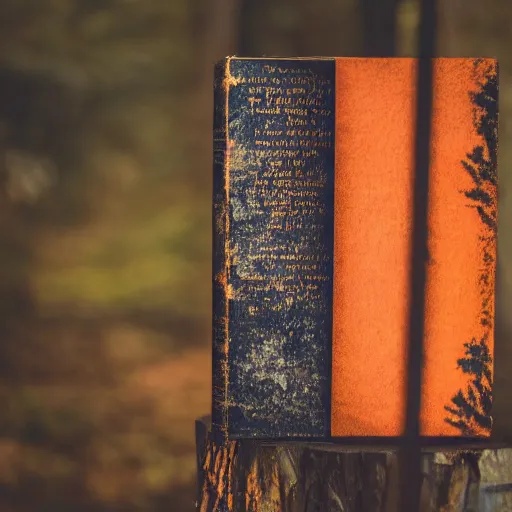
257 476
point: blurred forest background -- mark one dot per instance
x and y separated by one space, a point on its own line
105 225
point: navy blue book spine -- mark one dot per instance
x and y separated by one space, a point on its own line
273 247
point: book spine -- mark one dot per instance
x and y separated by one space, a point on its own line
273 247
220 263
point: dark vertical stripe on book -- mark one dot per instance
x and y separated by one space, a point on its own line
220 304
411 454
278 288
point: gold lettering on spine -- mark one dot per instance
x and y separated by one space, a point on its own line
289 186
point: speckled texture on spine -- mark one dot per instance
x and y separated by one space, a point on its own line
273 238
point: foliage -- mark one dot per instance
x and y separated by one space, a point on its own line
108 44
472 408
482 163
105 252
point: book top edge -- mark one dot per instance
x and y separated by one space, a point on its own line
334 58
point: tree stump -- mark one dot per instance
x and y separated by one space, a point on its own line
258 476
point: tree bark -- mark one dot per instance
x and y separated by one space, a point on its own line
256 476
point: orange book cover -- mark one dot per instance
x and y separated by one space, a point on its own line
317 164
374 173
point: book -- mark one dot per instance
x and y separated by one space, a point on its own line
312 233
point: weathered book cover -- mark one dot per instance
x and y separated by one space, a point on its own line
313 185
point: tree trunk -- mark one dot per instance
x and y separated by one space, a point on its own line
299 28
256 476
379 27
